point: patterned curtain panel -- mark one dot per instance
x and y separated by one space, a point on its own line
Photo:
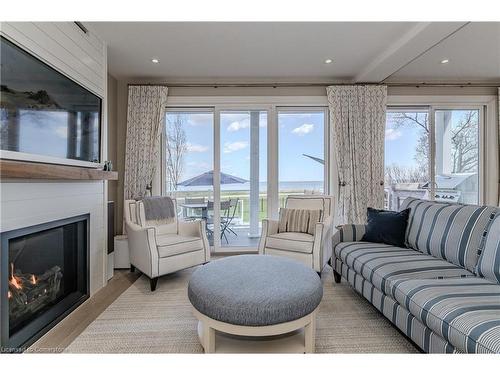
145 118
357 118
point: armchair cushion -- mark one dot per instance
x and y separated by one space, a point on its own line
298 220
291 241
173 244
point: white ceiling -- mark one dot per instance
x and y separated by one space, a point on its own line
295 52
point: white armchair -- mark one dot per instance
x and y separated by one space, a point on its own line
312 250
159 249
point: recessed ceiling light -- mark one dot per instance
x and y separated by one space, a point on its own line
328 61
155 61
445 61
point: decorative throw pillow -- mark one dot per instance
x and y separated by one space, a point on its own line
297 220
488 265
387 227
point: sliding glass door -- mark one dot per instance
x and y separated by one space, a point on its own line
457 157
233 166
407 156
188 151
302 156
433 153
243 177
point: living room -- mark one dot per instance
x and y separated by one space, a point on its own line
222 183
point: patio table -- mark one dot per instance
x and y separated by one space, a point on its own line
194 206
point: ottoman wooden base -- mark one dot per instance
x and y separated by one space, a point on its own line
305 326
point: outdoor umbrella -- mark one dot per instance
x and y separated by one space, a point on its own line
321 161
207 179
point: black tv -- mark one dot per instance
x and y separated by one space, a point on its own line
43 112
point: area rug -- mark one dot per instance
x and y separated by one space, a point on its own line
140 321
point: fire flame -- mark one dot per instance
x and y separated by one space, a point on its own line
33 279
9 294
15 281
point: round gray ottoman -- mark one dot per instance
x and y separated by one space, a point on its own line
255 295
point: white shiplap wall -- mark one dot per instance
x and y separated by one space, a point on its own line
65 47
30 203
81 57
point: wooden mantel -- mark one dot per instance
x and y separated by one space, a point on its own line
43 171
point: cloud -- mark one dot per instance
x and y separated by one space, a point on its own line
234 146
392 134
303 129
192 147
237 125
200 119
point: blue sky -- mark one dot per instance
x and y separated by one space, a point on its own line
400 144
298 133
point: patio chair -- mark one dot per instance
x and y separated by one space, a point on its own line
233 207
224 212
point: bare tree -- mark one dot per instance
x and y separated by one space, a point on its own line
400 174
421 119
463 145
176 148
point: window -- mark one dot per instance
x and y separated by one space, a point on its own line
301 148
457 155
448 146
230 143
243 165
406 156
188 159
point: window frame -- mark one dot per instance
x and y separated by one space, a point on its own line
486 104
270 104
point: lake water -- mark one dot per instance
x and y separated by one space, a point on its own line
283 186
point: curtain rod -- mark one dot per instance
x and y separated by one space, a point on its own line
320 84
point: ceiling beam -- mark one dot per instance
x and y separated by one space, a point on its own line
414 43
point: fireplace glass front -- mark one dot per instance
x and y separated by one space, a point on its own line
46 271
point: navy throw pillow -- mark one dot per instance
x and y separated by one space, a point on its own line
387 227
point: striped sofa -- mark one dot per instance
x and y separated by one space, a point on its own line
443 289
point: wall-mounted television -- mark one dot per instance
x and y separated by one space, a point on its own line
43 112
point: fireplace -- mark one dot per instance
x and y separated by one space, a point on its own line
44 276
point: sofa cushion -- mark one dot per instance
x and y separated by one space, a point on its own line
448 231
291 241
488 265
383 264
173 244
386 226
465 312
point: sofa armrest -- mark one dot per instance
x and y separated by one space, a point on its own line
348 233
